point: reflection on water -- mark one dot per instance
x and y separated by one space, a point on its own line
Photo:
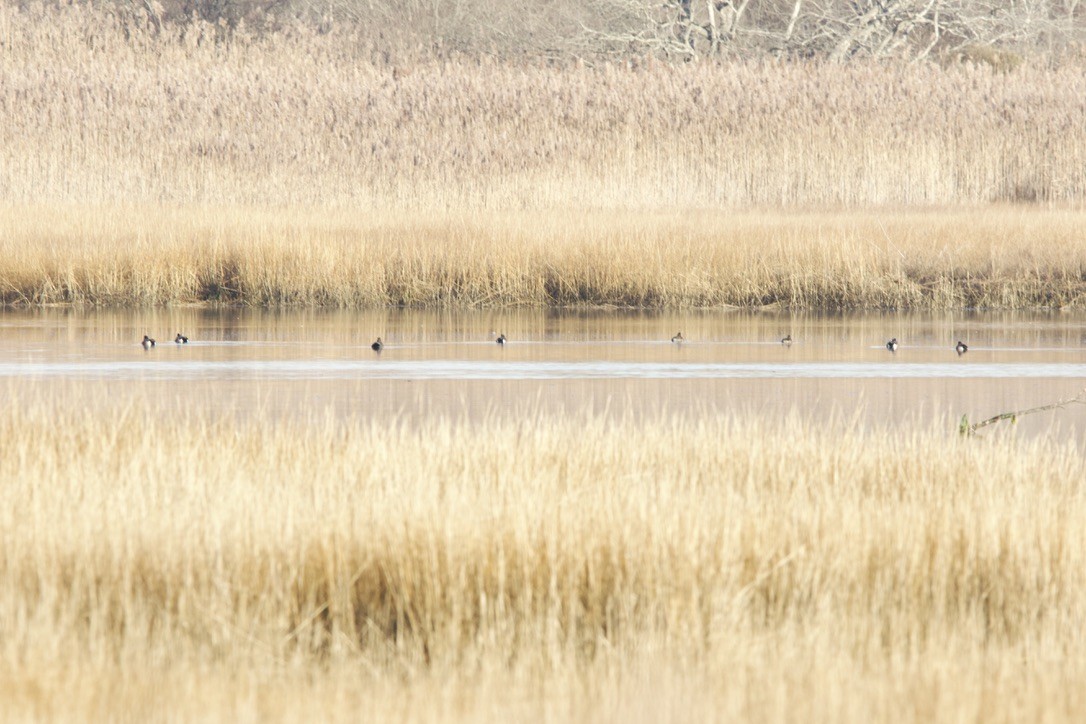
447 363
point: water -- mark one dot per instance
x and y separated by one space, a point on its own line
248 362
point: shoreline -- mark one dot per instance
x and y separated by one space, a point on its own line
1011 257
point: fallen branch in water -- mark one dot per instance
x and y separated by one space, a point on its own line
964 428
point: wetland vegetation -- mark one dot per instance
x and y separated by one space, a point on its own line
998 258
298 168
556 566
170 550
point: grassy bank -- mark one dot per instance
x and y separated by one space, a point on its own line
577 568
1005 257
95 109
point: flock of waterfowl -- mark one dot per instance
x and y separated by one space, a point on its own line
148 343
961 348
377 346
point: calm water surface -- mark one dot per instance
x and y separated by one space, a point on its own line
447 363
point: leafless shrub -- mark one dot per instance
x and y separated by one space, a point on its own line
676 29
834 29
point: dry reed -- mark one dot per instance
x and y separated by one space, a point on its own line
96 108
575 568
291 168
998 258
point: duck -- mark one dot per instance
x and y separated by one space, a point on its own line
181 339
376 346
961 348
147 342
678 338
787 340
501 338
892 345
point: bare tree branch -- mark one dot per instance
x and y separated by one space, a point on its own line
967 429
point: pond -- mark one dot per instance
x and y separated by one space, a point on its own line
619 362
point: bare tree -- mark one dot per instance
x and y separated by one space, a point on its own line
678 29
835 29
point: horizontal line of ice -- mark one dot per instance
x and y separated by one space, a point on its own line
498 370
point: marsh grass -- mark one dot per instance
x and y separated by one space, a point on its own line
664 567
1004 258
95 108
292 168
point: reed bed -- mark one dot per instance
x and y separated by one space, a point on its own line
96 107
193 164
1004 257
574 567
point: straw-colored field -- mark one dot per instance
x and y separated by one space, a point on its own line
307 119
293 168
576 568
1007 257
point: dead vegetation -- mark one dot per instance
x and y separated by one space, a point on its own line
1001 258
305 118
210 569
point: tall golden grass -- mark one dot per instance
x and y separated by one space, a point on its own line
557 567
1005 257
95 107
144 167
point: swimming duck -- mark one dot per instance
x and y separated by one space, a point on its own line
501 338
376 346
147 342
181 339
787 340
961 348
892 345
678 338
